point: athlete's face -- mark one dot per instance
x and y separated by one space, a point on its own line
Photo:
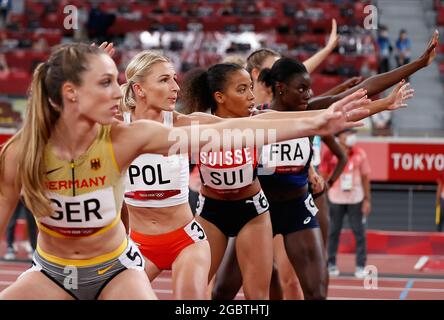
98 96
296 93
159 88
237 98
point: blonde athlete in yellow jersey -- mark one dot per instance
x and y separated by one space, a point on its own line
69 159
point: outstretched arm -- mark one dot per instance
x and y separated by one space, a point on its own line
181 120
144 136
272 114
383 81
395 100
347 84
314 61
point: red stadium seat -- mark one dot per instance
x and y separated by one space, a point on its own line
52 36
123 25
322 83
440 16
52 21
24 59
15 82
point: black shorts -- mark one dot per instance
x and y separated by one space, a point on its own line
293 215
231 216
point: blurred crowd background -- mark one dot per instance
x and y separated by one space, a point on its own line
198 33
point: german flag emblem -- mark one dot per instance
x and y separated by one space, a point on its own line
95 164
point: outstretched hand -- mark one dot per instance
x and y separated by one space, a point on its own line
399 95
107 47
430 53
333 40
337 116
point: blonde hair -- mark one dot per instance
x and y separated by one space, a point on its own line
257 58
136 71
236 59
45 103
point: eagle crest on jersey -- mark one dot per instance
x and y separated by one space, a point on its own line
95 164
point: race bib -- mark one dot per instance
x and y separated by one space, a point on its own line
156 172
293 154
229 178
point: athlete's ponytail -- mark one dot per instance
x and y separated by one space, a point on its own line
128 100
265 77
45 103
195 93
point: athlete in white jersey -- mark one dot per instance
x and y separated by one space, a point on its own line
158 181
156 187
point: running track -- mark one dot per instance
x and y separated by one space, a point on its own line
397 279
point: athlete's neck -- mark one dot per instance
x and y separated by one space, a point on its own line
70 139
277 105
225 113
145 112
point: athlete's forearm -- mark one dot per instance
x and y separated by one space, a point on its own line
287 114
380 82
373 85
374 107
237 133
315 60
